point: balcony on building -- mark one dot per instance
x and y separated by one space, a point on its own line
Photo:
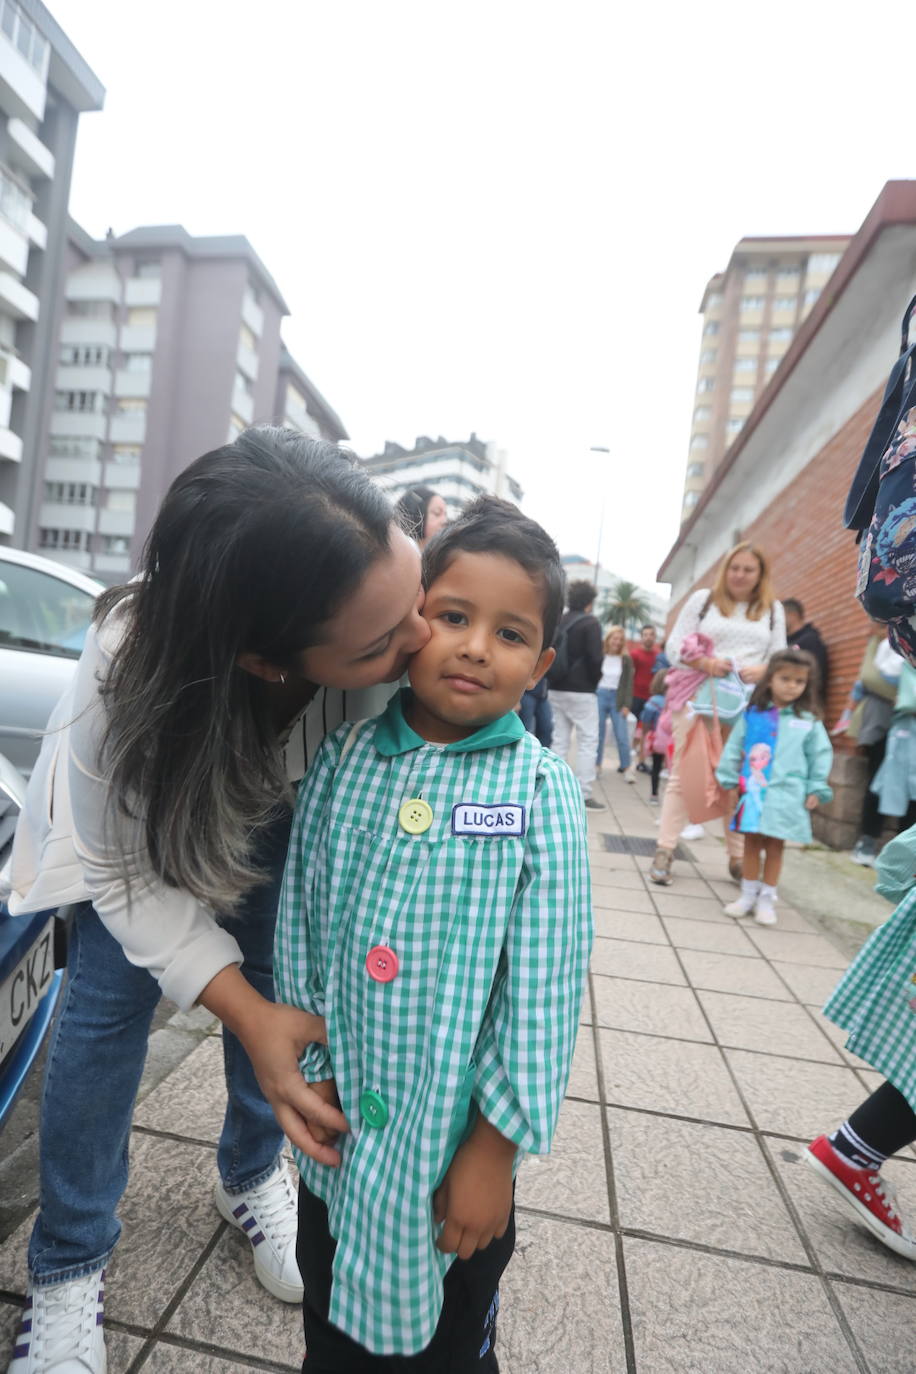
76 378
61 515
17 300
248 361
143 291
78 424
122 476
117 522
24 56
138 338
7 519
129 427
14 373
10 446
252 314
111 563
28 152
97 281
84 330
59 468
130 382
243 404
37 233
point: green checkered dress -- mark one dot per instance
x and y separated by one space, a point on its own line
875 1000
492 934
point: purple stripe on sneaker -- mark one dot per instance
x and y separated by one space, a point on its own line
20 1351
99 1318
25 1326
247 1225
256 1240
240 1211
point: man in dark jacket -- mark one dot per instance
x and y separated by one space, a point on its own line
800 635
574 691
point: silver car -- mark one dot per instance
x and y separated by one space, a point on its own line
45 611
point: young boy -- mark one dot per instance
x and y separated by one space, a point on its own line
436 910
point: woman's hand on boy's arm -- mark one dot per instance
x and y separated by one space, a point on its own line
327 1091
474 1200
811 802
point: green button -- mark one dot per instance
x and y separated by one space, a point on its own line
373 1108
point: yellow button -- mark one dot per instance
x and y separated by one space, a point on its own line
415 816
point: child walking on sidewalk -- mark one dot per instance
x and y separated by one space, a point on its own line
778 755
658 735
436 911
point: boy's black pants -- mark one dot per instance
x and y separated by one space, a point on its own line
465 1338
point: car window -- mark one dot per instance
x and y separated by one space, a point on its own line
42 613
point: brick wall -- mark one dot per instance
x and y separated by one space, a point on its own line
813 558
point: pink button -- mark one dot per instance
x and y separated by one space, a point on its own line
382 964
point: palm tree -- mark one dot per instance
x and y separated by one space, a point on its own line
624 604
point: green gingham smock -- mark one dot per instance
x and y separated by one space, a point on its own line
875 1000
492 934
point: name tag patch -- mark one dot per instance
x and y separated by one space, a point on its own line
475 818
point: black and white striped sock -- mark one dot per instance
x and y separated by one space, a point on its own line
852 1147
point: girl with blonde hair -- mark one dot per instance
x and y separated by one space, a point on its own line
746 625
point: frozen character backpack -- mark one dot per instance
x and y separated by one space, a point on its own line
882 505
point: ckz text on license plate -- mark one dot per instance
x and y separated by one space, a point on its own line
21 992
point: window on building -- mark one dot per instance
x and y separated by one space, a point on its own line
710 328
138 362
734 425
22 32
143 315
253 293
751 302
771 365
706 384
126 454
745 364
236 425
83 355
748 335
785 302
699 441
788 269
77 401
70 493
707 356
701 413
150 269
117 544
823 262
755 276
90 310
63 539
130 405
780 335
65 446
125 501
812 296
695 469
242 383
690 499
247 339
740 395
15 201
714 301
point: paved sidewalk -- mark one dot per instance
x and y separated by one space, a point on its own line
674 1227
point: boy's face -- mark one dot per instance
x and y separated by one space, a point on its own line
486 615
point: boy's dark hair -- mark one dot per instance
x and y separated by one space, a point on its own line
580 594
790 658
490 525
792 604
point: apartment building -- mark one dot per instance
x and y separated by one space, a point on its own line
457 471
751 313
169 346
45 86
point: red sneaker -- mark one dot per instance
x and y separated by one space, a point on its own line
869 1197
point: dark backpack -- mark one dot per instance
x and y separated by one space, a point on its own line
562 664
882 505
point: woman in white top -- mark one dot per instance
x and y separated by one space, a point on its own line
615 692
746 625
274 582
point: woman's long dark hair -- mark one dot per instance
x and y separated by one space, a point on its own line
762 696
255 545
410 511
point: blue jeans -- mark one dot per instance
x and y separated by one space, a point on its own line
95 1062
537 717
607 709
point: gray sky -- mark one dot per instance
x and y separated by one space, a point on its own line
499 215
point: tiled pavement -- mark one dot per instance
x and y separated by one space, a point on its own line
674 1227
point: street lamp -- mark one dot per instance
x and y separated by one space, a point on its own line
599 448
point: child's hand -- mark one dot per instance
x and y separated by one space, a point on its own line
327 1091
475 1197
811 802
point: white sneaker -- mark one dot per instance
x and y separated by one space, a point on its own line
765 914
629 774
692 832
61 1329
744 905
267 1215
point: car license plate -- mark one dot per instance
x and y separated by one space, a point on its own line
21 992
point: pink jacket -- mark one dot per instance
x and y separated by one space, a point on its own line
683 683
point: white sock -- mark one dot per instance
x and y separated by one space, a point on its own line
749 891
768 895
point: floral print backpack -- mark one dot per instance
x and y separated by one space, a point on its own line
882 505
